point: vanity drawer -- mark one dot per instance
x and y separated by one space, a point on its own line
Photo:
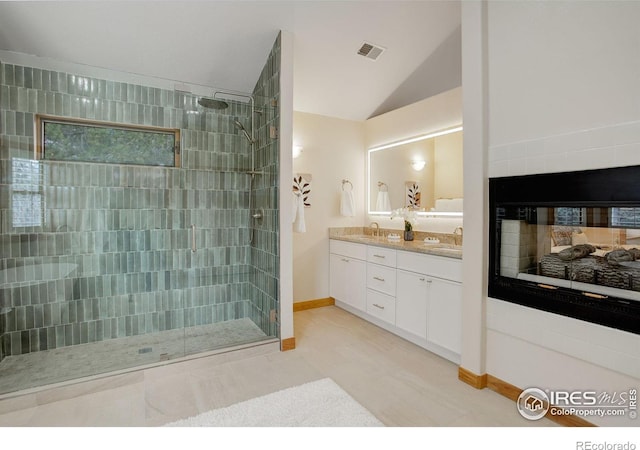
435 266
381 278
350 249
381 255
381 306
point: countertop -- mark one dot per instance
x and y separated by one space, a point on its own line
417 245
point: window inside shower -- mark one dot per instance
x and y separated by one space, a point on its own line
62 139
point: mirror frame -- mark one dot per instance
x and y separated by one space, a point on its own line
397 144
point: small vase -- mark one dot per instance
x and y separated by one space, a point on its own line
408 235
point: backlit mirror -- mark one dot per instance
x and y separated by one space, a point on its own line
424 172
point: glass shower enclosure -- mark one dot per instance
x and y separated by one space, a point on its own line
105 267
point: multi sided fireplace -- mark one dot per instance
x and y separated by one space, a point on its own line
569 243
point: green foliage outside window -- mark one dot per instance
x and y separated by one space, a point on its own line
89 142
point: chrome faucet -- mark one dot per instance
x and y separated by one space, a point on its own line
456 234
377 227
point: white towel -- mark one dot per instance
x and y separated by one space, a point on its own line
347 204
298 214
383 203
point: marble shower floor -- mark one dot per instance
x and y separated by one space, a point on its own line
67 363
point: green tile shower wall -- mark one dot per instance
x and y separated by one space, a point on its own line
126 230
265 247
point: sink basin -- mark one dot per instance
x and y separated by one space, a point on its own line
448 250
365 237
442 245
453 250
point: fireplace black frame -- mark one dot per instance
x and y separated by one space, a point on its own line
604 188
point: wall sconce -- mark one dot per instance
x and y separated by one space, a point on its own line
417 164
297 150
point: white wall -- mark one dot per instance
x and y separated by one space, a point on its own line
564 95
476 117
448 178
286 131
558 67
333 150
441 70
435 113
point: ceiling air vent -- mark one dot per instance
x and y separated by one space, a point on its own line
370 51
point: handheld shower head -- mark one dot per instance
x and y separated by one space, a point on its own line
244 131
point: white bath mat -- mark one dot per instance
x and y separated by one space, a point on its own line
319 403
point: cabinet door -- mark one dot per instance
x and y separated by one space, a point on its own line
337 285
444 314
348 279
411 302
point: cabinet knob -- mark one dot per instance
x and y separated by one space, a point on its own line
378 306
345 260
422 279
379 256
379 279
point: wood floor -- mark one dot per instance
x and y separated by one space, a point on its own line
400 383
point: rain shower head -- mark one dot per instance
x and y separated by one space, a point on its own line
212 103
241 128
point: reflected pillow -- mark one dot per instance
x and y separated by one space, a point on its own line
579 238
562 234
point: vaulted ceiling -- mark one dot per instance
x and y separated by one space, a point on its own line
224 44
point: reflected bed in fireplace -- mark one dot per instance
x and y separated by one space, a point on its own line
569 243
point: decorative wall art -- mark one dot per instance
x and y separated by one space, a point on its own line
302 186
412 189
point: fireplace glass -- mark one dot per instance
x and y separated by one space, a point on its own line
569 244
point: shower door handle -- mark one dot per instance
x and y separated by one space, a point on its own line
193 239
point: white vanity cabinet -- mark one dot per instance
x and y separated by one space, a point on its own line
414 295
348 273
431 287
